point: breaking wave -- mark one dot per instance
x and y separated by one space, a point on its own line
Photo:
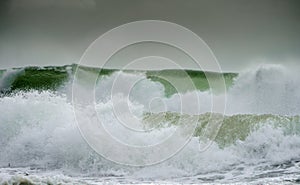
259 136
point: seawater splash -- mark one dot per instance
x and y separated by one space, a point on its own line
271 89
268 89
8 77
38 131
48 141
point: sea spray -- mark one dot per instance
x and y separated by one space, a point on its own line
38 130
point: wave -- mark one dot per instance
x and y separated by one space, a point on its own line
268 89
272 89
259 135
53 77
39 78
48 141
234 128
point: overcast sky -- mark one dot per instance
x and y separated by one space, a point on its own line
241 33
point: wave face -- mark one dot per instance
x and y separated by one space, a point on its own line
258 141
52 78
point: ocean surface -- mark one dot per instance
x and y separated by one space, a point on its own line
258 141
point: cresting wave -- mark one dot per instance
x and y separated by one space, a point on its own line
259 137
52 78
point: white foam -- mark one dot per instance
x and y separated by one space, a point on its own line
49 139
38 129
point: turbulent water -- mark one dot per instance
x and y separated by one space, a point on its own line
258 140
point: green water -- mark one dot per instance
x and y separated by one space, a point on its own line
40 79
232 128
198 80
51 78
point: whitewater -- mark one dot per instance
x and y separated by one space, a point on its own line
258 141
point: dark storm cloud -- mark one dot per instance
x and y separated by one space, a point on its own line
53 32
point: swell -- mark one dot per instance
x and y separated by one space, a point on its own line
33 78
233 128
53 77
260 130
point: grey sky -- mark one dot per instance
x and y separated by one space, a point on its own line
240 32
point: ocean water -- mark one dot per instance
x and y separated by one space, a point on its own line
258 141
